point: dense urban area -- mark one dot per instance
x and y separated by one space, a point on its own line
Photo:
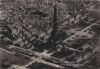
49 34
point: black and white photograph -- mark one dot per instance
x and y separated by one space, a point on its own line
49 34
